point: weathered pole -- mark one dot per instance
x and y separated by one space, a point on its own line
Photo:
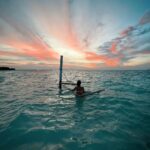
60 71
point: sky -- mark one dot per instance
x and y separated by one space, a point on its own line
90 34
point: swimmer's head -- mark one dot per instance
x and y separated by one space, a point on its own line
78 83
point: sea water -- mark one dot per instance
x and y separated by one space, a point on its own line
35 115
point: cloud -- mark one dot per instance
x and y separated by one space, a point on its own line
91 34
21 36
130 47
113 48
145 19
138 60
111 62
127 31
42 30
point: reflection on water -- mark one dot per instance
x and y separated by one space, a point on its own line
34 114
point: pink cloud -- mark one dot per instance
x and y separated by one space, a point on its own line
111 62
127 31
113 48
35 49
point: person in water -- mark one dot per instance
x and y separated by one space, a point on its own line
79 90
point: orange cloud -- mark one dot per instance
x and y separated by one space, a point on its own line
111 62
113 48
35 49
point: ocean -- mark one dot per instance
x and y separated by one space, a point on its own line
35 115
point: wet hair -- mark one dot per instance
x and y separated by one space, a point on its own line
78 83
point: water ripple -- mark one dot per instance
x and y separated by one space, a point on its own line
35 115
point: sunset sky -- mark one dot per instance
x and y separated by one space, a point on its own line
92 34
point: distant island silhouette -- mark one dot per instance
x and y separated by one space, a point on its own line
6 68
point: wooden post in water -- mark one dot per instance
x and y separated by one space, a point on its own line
60 71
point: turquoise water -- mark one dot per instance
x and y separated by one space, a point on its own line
34 115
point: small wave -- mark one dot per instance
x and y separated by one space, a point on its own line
33 115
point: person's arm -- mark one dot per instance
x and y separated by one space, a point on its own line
73 89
